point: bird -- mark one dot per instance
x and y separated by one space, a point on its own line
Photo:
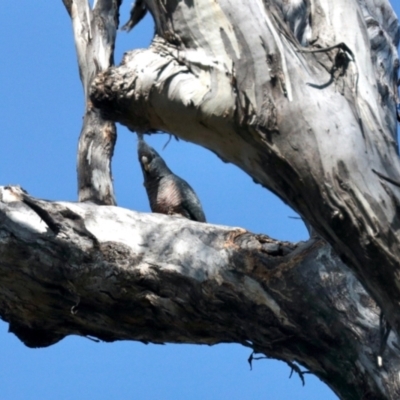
168 193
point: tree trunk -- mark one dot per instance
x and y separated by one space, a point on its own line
116 274
94 34
300 95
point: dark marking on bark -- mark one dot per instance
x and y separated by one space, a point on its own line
43 214
386 178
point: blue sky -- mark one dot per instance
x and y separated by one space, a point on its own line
41 106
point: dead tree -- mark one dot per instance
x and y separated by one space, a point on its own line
307 107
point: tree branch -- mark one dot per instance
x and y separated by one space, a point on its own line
246 94
94 34
115 274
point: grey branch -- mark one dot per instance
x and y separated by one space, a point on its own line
115 274
234 81
245 94
94 34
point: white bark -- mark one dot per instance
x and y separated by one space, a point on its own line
94 31
317 128
303 104
114 274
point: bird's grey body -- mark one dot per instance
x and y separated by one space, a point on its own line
167 192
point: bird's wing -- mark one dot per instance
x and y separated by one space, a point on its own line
190 202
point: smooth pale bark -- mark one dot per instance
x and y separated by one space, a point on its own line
94 33
299 94
115 274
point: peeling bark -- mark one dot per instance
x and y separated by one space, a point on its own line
115 274
287 92
94 33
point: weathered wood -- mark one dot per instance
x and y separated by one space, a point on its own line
94 33
115 274
303 104
299 94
